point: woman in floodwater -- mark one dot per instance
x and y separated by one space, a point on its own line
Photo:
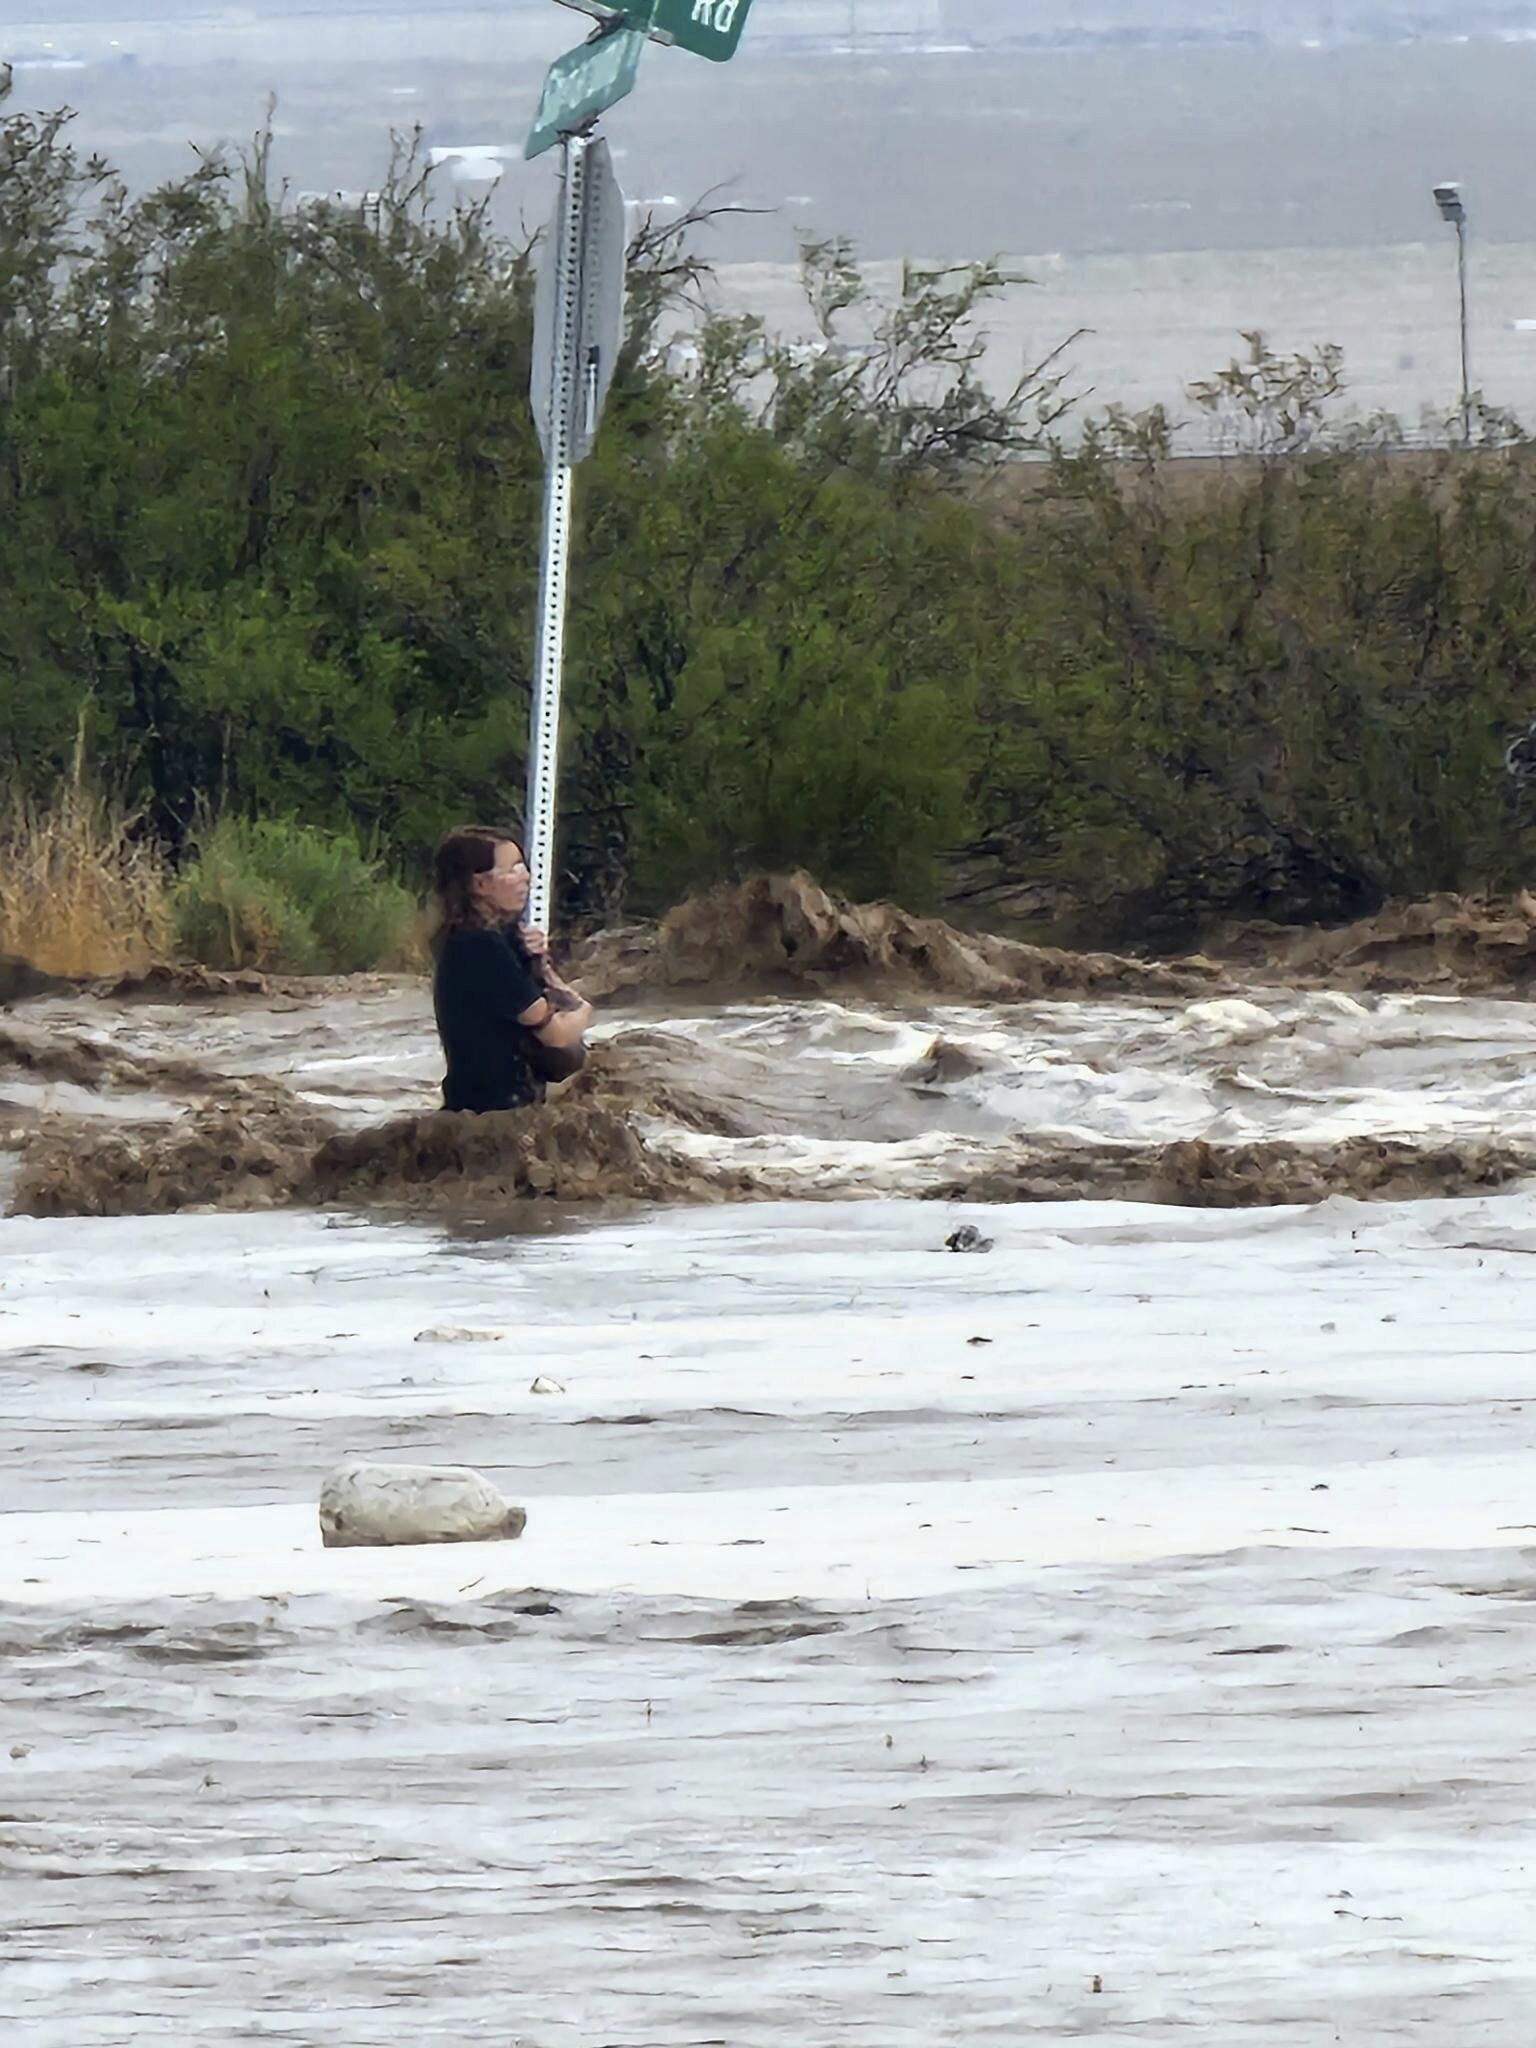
507 1021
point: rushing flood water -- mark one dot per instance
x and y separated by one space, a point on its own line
831 1098
1119 1634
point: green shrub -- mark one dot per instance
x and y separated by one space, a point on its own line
289 898
269 502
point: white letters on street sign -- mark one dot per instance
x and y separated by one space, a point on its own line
709 28
602 72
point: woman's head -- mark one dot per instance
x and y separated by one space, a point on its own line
479 877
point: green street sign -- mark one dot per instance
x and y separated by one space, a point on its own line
710 28
583 84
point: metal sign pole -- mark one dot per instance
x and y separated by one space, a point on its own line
549 650
578 322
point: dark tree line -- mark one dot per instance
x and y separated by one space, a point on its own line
268 524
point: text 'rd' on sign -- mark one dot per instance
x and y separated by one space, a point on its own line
709 28
583 84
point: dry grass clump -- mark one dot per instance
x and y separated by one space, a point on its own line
80 891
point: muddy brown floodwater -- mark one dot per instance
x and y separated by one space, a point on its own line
773 1041
1119 1633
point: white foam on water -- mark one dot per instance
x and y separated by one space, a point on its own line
1307 1068
902 1643
838 1090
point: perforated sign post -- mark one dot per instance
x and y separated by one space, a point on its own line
579 328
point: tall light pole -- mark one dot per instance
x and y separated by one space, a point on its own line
1454 213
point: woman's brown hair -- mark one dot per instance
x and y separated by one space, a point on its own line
465 853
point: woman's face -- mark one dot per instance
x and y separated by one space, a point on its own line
504 887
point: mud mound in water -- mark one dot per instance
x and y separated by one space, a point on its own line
1193 1174
53 1056
588 1148
219 1160
254 1154
174 980
165 981
20 981
782 934
583 1145
258 1147
1465 945
179 981
571 1151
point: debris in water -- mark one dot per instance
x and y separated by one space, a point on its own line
366 1504
967 1239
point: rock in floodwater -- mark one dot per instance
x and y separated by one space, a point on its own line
366 1504
967 1239
450 1333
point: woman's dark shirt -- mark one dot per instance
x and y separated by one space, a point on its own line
483 984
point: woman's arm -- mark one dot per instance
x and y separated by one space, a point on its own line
564 1027
568 1013
553 978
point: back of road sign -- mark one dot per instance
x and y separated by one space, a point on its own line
599 247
